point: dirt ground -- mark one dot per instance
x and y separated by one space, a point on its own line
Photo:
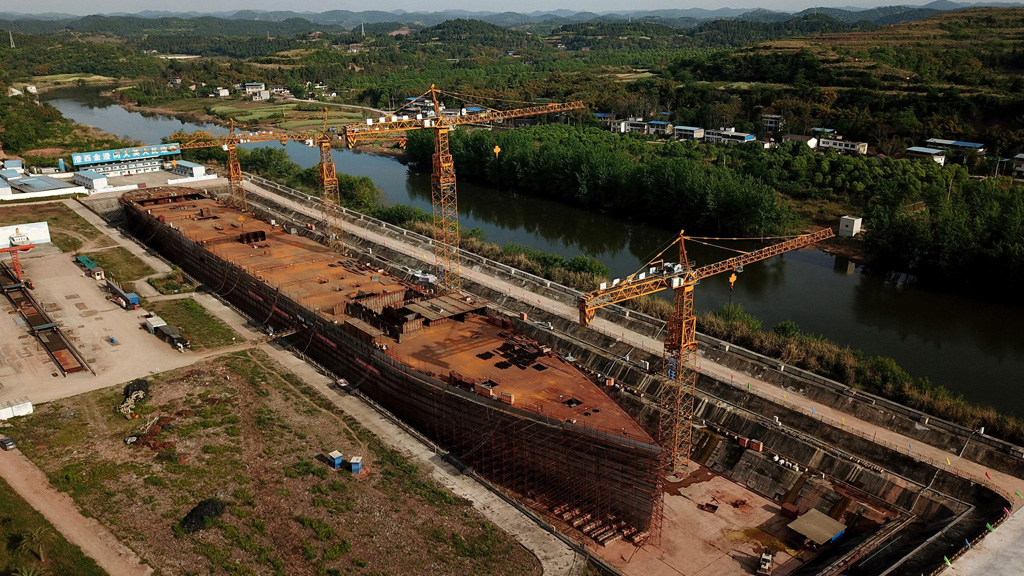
698 542
241 430
80 305
96 541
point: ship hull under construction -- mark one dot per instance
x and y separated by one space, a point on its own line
441 364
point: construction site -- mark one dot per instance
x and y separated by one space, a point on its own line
652 455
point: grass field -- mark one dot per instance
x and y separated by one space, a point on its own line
54 80
68 230
200 328
241 430
174 282
282 115
121 265
18 520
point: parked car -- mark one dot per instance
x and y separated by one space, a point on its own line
7 444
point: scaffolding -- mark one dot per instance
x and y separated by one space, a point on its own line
602 483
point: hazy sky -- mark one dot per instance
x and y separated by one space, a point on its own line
131 6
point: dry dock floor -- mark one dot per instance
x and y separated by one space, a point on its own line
697 542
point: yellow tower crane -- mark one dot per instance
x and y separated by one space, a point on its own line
443 195
680 353
330 201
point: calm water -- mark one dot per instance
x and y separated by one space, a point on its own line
970 347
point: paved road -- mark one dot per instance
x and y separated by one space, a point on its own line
95 541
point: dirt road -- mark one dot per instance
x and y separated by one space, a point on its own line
86 533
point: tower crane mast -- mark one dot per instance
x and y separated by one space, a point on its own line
680 352
443 190
330 201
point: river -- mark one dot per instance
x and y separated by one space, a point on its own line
968 346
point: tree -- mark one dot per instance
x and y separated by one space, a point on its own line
36 540
30 571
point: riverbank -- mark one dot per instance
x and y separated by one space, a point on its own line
879 314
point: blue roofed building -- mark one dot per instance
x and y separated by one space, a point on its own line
659 128
727 136
956 145
688 133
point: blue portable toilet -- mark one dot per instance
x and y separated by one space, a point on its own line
357 464
335 459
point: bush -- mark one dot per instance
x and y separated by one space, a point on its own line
202 515
136 386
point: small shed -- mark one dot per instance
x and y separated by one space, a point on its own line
335 459
849 226
154 322
357 464
97 273
817 528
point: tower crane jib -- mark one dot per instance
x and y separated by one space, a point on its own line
443 187
680 352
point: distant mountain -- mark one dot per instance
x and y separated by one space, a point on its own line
536 21
762 15
43 16
880 15
945 5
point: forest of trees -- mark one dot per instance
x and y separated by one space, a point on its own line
594 168
924 219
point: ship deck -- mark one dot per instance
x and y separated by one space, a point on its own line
543 384
325 281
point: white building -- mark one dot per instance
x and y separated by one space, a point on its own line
846 146
126 161
90 179
254 87
773 122
938 156
636 125
1018 166
261 95
849 226
188 169
688 133
659 128
727 136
